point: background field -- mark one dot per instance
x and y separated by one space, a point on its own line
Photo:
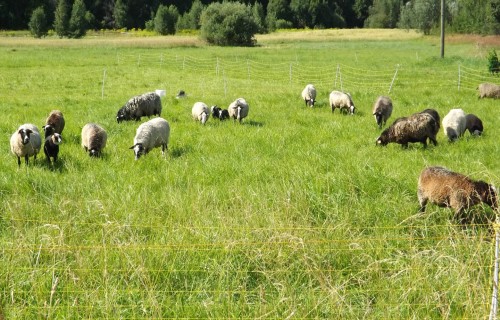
293 214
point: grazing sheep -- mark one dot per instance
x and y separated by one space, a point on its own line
473 124
51 146
309 95
489 90
200 112
415 128
94 139
54 123
343 101
436 117
382 110
445 188
25 142
238 109
221 114
147 104
150 135
454 124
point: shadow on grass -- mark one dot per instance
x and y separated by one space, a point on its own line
179 151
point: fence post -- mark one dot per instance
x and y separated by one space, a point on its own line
102 88
458 77
394 78
139 60
494 296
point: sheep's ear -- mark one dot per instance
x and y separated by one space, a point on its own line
132 147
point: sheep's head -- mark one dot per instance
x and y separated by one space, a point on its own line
48 129
139 150
492 198
121 115
204 117
311 102
94 153
224 114
56 138
383 140
352 108
25 135
215 111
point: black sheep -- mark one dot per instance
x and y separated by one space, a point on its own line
51 146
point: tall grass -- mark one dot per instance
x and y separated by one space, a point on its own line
293 214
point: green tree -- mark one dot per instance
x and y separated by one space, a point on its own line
61 18
77 22
493 63
38 23
278 15
228 24
191 19
383 14
420 14
166 19
259 16
120 14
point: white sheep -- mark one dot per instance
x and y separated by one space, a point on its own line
309 95
238 109
25 142
200 112
382 110
489 90
54 123
150 135
454 124
343 101
147 104
94 139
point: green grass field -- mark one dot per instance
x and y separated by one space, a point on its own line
294 214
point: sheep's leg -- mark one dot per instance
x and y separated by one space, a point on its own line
422 200
433 140
19 161
26 157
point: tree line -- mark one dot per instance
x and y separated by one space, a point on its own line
70 18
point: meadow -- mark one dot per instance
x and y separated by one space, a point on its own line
293 214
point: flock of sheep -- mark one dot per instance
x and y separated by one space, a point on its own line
436 184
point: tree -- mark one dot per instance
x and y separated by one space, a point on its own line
77 22
61 19
228 24
383 14
165 19
493 63
420 14
278 15
259 16
191 19
38 23
120 14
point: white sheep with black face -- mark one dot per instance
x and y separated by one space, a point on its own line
200 112
454 124
309 95
26 142
238 109
149 135
94 139
343 101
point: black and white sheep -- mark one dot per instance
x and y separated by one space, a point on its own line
489 90
54 123
309 95
25 142
145 105
382 110
221 114
473 124
51 146
150 135
343 101
454 124
446 188
415 128
94 139
238 109
200 112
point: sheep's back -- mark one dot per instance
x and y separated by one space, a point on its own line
94 136
417 126
198 109
153 133
309 92
439 184
489 90
456 121
233 108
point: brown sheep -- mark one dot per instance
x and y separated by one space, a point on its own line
489 90
415 128
54 123
445 188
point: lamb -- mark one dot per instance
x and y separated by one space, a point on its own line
309 95
200 112
415 128
94 139
51 146
489 90
221 114
25 142
445 188
454 124
54 123
147 104
150 135
343 101
473 124
238 109
382 110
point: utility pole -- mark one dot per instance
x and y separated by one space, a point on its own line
442 28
